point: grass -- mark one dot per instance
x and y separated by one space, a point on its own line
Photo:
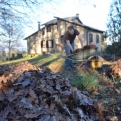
85 82
25 58
36 60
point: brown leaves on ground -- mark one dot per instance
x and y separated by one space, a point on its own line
111 118
28 92
86 47
115 69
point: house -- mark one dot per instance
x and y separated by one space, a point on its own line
47 37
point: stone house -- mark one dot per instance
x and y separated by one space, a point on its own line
46 38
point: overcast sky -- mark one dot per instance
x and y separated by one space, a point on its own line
92 13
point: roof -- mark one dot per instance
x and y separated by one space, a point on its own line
54 21
81 24
32 34
70 20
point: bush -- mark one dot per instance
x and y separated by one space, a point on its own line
115 48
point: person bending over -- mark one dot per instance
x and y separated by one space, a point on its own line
68 41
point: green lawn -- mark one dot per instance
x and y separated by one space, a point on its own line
36 60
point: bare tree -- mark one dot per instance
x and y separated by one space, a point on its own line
21 10
11 34
2 48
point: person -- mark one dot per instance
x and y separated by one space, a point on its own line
68 42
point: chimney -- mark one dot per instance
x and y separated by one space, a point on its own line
38 25
77 15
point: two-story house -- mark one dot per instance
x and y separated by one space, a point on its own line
45 39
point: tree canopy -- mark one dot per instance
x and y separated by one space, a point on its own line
114 21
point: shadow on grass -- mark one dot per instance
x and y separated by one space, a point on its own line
37 61
44 61
42 64
31 60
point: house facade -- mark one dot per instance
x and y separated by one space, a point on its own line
47 37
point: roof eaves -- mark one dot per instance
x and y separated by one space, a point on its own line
52 22
94 29
70 21
79 20
32 34
88 27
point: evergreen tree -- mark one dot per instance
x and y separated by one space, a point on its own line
114 21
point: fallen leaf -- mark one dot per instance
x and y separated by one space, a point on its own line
53 118
32 94
26 82
111 118
10 94
2 95
18 93
6 111
80 112
52 106
3 79
31 115
45 118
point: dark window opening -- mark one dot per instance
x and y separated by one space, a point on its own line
97 38
50 44
48 28
61 38
90 38
43 44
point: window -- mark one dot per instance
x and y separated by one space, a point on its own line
61 37
97 38
90 38
43 44
43 31
50 43
49 28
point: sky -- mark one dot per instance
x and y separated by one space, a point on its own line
92 13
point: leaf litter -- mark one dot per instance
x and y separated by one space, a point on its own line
29 93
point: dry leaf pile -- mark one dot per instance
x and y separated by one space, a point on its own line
28 93
115 69
86 47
